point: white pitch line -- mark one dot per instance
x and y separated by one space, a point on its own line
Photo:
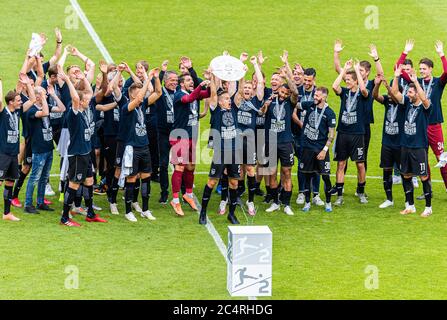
95 37
105 53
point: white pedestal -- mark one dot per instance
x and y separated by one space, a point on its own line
249 261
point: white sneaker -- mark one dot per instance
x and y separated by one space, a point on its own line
96 208
409 209
136 207
306 207
222 207
129 216
317 201
339 201
288 211
273 207
148 214
427 212
251 208
397 179
79 210
49 191
362 198
415 182
328 207
114 209
386 204
300 199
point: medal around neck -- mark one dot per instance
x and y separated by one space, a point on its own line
227 68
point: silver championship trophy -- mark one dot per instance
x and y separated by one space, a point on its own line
227 68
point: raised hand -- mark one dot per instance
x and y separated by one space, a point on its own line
154 73
282 72
413 76
253 60
409 45
207 74
439 47
244 56
43 38
58 34
205 83
348 64
261 58
398 71
373 52
285 57
74 51
127 68
121 67
67 49
378 79
338 46
103 66
164 65
23 78
186 62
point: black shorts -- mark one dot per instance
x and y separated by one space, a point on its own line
389 157
297 141
217 170
119 153
284 153
141 161
56 133
9 167
28 159
350 146
248 152
310 164
80 168
414 162
110 144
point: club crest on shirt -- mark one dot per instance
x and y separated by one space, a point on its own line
193 108
279 114
2 173
79 176
227 119
244 106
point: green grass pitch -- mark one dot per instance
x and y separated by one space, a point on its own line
315 255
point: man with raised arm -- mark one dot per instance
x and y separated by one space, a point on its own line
278 110
391 137
350 142
80 123
184 137
433 88
9 144
414 141
224 127
133 111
